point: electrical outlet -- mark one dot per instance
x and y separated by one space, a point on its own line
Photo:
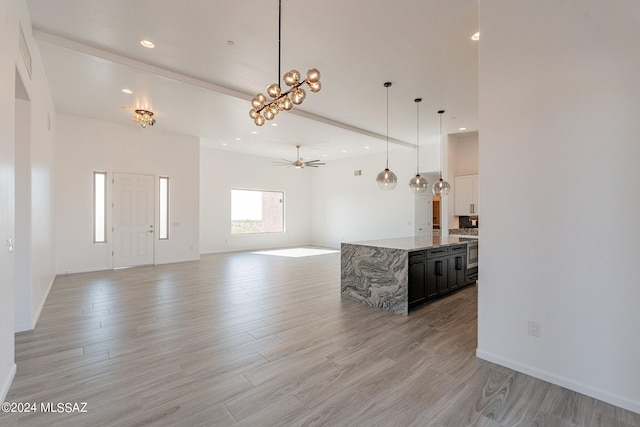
533 328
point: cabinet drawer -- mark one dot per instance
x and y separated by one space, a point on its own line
437 252
417 256
458 249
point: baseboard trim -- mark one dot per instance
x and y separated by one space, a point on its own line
606 396
7 383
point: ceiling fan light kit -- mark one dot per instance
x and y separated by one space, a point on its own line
283 101
386 179
298 163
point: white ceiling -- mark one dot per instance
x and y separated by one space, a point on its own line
198 84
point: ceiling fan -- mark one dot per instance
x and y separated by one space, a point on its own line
298 163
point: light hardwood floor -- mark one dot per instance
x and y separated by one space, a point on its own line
244 339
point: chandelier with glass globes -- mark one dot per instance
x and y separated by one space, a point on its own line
283 101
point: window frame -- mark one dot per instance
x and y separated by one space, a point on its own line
96 207
163 226
282 203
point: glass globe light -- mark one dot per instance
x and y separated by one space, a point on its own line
292 77
274 90
386 180
286 103
418 184
440 188
269 113
259 120
253 113
315 87
298 95
313 75
257 103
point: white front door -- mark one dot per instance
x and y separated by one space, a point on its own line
133 219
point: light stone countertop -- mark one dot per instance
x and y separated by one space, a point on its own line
412 243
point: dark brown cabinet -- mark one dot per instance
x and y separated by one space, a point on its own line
436 272
457 266
417 278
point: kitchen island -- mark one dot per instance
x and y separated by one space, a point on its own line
396 274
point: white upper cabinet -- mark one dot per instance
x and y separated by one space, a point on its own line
466 195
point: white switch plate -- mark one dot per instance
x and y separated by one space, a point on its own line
533 328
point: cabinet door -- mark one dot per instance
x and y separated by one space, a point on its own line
437 276
417 283
475 209
463 197
457 270
465 193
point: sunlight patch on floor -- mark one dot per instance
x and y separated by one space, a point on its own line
297 252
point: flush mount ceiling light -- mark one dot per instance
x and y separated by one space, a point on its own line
441 187
283 101
386 179
418 184
144 117
298 163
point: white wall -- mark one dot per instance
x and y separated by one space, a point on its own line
559 154
220 171
86 145
349 208
28 132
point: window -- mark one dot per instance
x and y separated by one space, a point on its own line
255 211
164 208
99 207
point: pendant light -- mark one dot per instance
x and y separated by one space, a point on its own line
418 184
441 187
386 179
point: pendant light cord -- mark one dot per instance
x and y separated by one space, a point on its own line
440 113
418 135
387 86
279 38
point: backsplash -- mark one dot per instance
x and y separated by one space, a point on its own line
466 221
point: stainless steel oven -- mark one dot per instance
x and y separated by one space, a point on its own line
472 253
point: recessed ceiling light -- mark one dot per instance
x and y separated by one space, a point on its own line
344 151
231 42
476 36
147 44
274 124
462 129
254 132
224 143
324 155
127 91
366 146
238 139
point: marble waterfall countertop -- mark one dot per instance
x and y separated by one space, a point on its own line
376 272
411 243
